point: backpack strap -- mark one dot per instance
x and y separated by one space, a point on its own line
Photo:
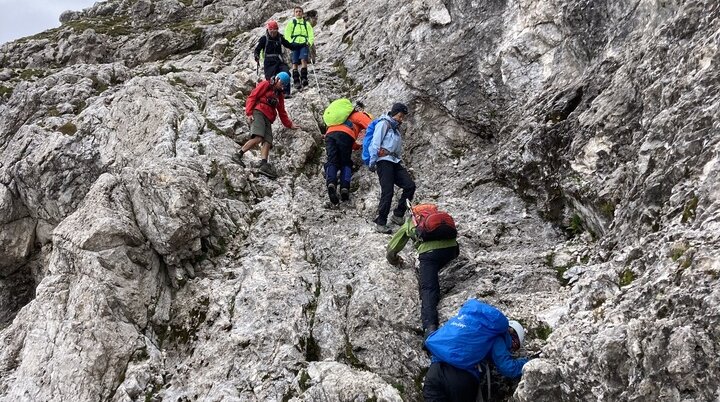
292 33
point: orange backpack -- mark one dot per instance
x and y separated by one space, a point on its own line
433 224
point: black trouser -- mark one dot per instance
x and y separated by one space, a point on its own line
431 262
273 66
338 146
390 175
445 383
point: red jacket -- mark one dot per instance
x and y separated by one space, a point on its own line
258 101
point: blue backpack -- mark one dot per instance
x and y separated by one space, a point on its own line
466 339
368 140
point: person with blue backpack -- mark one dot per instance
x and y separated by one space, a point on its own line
382 149
478 332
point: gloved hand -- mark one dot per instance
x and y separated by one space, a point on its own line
372 168
534 355
393 259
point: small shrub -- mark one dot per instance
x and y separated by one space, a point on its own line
68 128
626 277
689 211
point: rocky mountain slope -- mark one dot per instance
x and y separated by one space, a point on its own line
575 142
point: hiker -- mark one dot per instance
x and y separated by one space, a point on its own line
312 17
264 103
299 32
384 153
269 48
340 141
478 333
434 236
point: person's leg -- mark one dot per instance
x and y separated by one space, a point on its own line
459 385
405 182
433 386
252 142
265 151
333 163
386 176
286 87
304 54
429 290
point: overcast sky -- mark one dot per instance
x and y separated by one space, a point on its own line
20 18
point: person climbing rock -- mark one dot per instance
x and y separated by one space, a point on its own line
340 141
478 332
384 151
300 32
269 50
263 105
434 236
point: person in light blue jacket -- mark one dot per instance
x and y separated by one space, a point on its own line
385 159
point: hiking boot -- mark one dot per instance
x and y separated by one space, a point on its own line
344 194
266 169
398 220
288 96
332 194
305 83
298 85
237 158
382 228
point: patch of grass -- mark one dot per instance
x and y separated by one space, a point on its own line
214 169
31 73
543 331
68 128
677 251
689 211
303 381
114 26
626 277
560 271
576 225
607 209
228 185
456 153
399 386
5 92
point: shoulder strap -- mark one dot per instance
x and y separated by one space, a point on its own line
292 34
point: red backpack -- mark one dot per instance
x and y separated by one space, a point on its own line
433 224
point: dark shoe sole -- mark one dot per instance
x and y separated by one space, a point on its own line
344 194
266 174
333 196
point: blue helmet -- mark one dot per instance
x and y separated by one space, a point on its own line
284 77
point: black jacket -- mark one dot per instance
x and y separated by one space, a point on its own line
273 46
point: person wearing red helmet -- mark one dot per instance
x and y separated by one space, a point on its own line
269 50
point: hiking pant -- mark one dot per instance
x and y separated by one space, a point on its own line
431 262
338 146
445 383
273 66
390 175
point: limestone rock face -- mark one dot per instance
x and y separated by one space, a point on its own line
574 142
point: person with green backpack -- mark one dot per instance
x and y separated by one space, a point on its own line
434 234
300 32
346 124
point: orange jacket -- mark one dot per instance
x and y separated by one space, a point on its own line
356 122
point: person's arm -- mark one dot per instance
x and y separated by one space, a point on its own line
506 365
397 243
291 46
288 31
381 129
284 118
310 34
252 99
260 46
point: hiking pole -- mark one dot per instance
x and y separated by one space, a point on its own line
315 75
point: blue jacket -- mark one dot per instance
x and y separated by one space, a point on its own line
501 358
387 136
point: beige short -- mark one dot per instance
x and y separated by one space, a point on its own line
261 127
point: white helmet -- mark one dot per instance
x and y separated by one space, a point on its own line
519 330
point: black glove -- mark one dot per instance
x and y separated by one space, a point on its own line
393 259
534 355
372 168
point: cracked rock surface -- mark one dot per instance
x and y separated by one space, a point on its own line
575 142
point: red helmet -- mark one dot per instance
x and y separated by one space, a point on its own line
272 25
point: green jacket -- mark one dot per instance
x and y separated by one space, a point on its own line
299 31
407 232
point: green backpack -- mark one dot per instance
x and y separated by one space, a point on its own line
338 111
